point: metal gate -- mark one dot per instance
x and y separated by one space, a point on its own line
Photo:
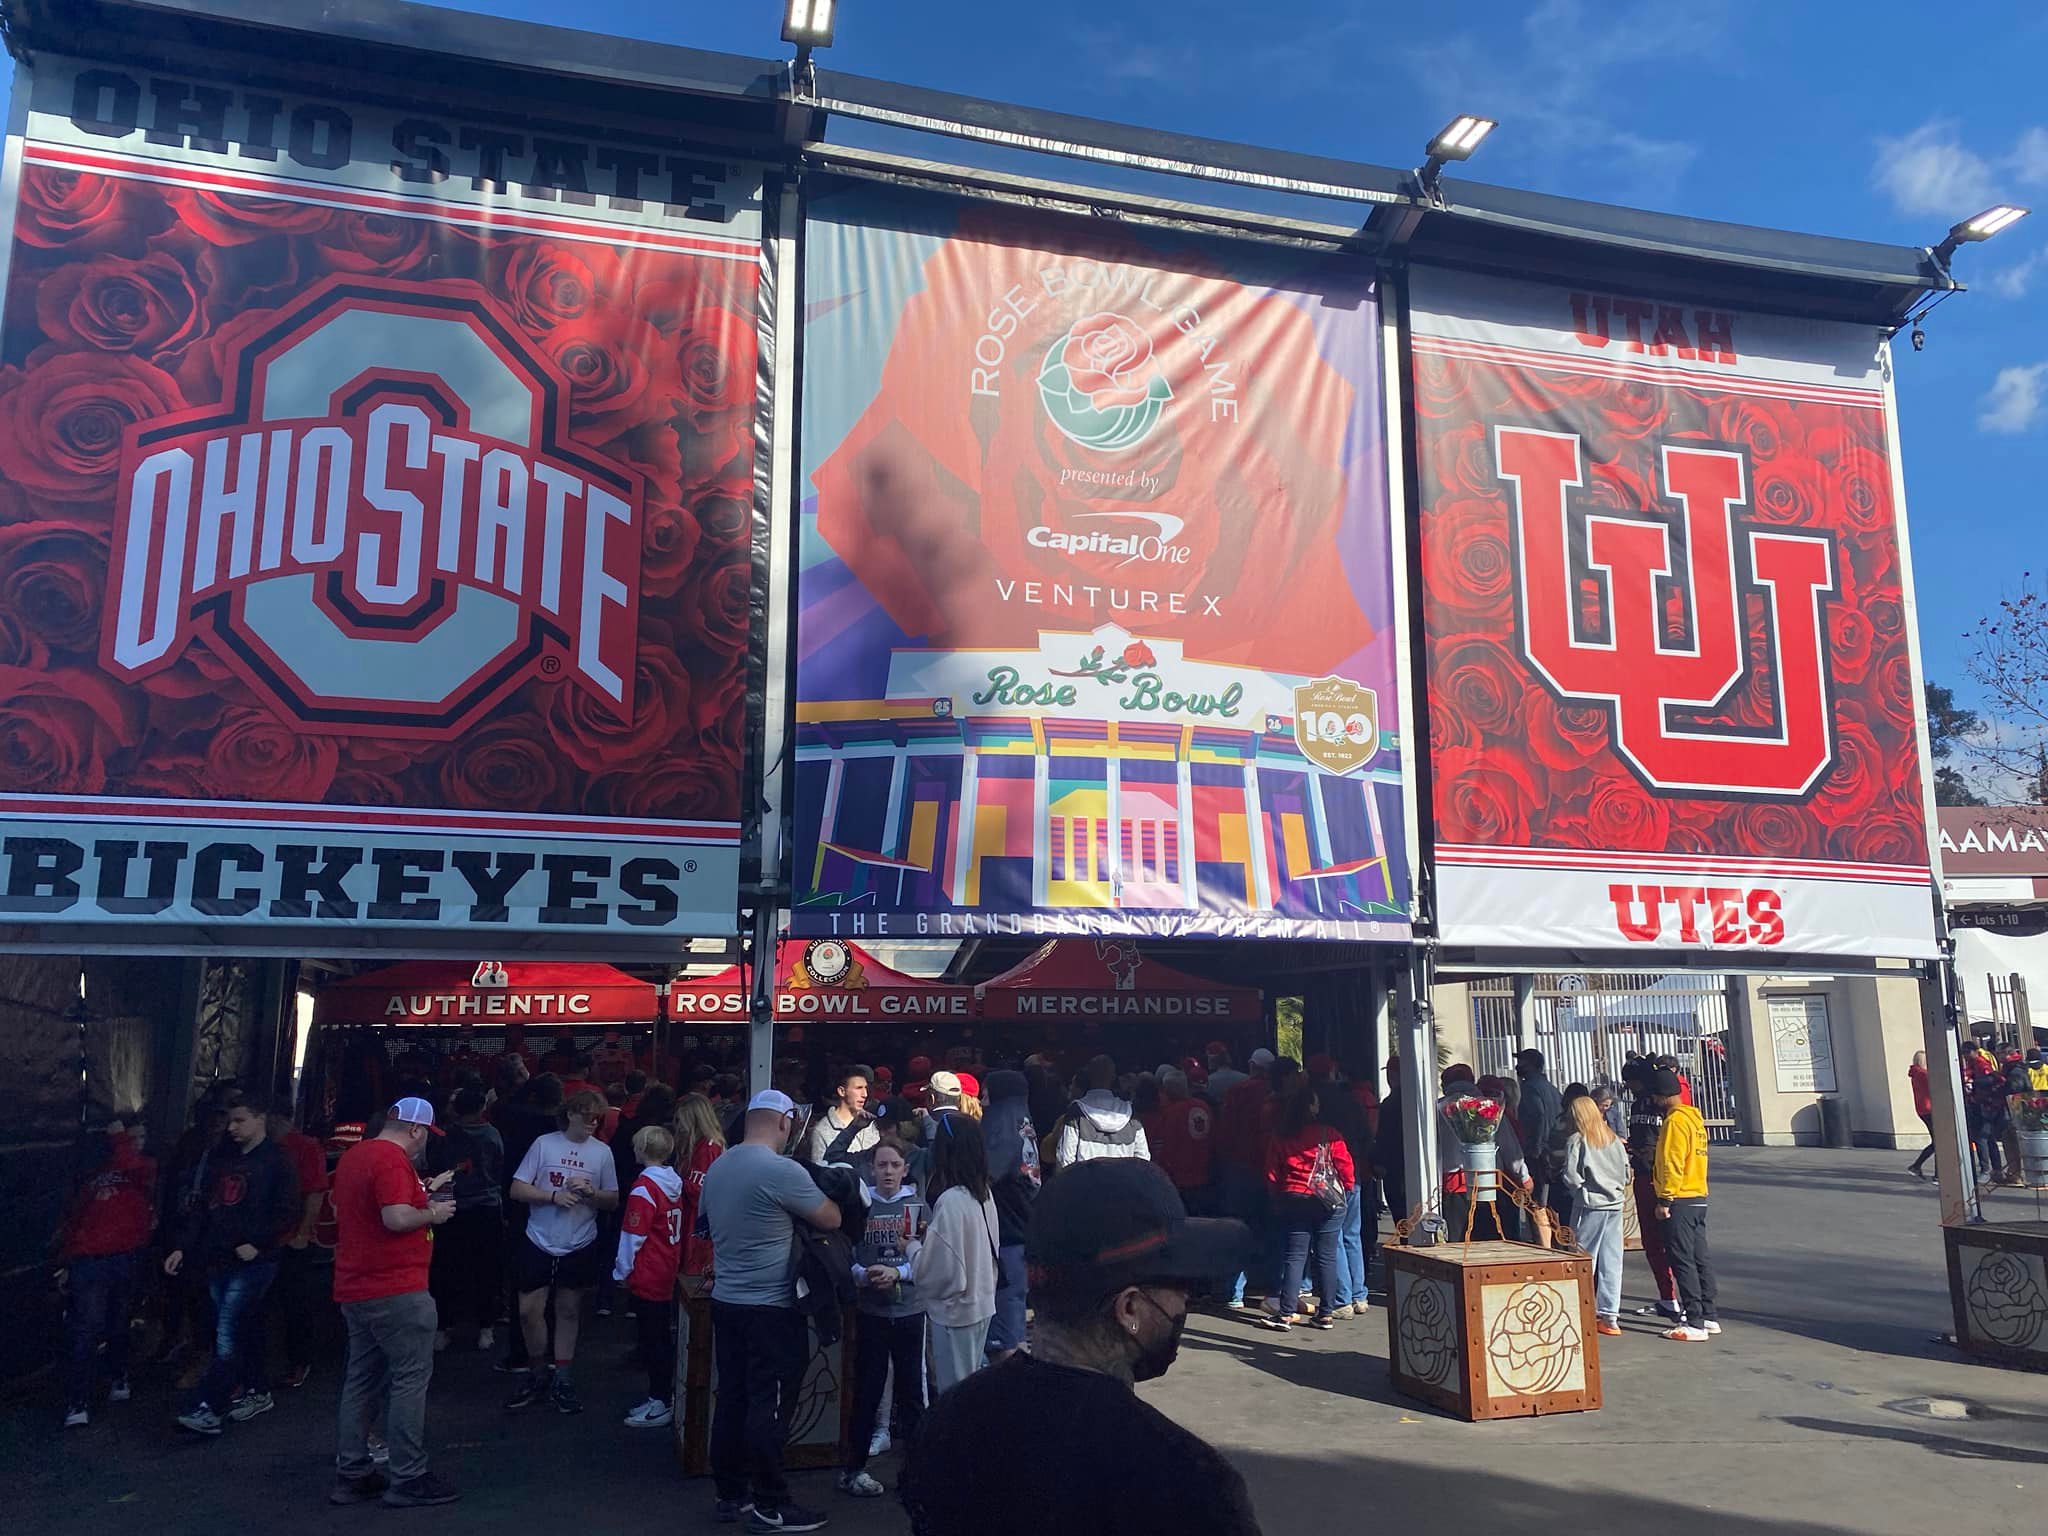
1589 1024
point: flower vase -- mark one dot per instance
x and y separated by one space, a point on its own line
1480 1162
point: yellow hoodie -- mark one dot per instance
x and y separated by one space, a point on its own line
1680 1170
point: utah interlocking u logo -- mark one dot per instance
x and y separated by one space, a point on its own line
1657 685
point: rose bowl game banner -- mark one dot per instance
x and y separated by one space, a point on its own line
1671 695
1096 627
376 527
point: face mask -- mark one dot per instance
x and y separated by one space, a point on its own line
1156 1359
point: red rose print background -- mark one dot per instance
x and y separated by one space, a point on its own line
1523 769
126 302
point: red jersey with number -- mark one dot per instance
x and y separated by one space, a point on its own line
654 1217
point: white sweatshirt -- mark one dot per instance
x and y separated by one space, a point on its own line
954 1268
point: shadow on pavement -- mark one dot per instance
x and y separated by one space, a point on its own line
1933 1440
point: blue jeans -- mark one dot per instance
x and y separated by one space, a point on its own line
1599 1234
1304 1221
1006 1328
1242 1197
1351 1250
101 1288
237 1332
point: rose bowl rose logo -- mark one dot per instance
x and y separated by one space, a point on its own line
385 523
1101 385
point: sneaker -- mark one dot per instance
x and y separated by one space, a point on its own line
201 1421
297 1375
358 1490
1326 1321
1609 1327
486 1340
427 1488
77 1418
379 1448
563 1399
1713 1327
652 1414
859 1485
604 1310
118 1392
440 1340
532 1390
732 1511
790 1517
252 1404
1683 1334
1275 1323
879 1445
512 1367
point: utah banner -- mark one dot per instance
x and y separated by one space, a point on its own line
1096 628
376 522
1671 691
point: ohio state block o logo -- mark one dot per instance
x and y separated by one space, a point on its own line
385 523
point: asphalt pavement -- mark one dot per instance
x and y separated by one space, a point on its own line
1830 1405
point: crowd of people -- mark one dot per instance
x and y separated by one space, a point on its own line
500 1204
1990 1081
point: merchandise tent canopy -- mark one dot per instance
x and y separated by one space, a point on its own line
826 981
494 992
1110 979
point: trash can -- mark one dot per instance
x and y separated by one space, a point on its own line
1834 1123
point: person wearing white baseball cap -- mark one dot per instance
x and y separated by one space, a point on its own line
381 1261
753 1197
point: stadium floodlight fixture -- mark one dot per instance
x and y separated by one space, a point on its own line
1454 141
808 23
1996 219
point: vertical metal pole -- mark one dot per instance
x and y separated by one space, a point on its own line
1418 1082
761 1004
1525 1015
1945 1087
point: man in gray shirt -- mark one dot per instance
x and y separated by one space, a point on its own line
753 1197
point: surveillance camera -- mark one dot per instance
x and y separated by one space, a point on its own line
1919 339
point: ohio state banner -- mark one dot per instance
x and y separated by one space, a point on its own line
376 528
1671 700
1096 627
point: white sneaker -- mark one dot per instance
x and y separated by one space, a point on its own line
486 1339
77 1418
1685 1334
119 1392
1713 1327
652 1414
860 1486
879 1445
440 1340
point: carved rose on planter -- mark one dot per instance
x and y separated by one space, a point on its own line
1429 1334
1534 1340
2006 1302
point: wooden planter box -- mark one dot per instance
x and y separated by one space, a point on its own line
824 1409
1998 1283
1493 1330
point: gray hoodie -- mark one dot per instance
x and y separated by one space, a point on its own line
893 1228
1100 1125
1596 1176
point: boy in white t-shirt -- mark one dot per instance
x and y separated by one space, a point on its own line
567 1177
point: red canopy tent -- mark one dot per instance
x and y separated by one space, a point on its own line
826 981
1110 979
532 992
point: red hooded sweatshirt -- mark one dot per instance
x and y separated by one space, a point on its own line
1291 1159
115 1208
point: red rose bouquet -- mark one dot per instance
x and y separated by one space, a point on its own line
2029 1110
1475 1118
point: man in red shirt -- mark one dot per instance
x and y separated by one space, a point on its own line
100 1257
296 1291
1179 1134
381 1260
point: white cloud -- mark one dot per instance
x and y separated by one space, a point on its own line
2014 402
1562 85
2013 282
1932 171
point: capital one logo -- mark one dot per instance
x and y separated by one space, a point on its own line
384 524
1658 685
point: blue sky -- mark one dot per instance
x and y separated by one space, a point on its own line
1863 120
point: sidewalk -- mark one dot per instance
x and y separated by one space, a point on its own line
1797 1422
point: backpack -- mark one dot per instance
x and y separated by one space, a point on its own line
1089 1135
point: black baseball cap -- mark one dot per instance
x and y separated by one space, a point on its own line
1664 1083
1112 1222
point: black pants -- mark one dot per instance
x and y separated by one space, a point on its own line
878 1343
468 1276
296 1295
759 1355
1927 1151
1494 1219
1685 1240
657 1320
